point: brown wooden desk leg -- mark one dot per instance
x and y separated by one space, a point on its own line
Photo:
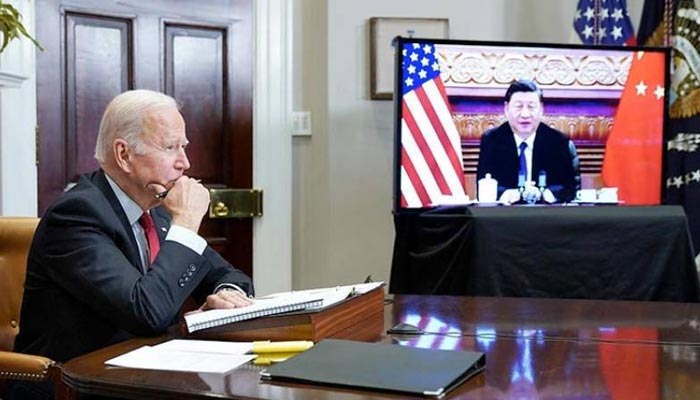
61 390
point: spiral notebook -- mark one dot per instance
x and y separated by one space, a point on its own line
260 308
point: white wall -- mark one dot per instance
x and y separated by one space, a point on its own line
311 175
18 171
342 222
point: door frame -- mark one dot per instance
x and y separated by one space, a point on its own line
272 145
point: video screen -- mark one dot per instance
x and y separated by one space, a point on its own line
515 123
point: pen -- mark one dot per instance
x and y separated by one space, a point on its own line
161 195
292 346
269 358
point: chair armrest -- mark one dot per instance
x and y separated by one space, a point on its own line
25 367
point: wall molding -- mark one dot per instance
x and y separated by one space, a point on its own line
272 146
9 80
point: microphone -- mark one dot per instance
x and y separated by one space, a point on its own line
521 187
542 181
542 185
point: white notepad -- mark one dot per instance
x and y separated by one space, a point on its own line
261 307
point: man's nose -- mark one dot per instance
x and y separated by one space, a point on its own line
182 161
525 112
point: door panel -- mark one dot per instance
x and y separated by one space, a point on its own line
94 75
201 53
194 65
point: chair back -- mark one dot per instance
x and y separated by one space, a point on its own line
16 235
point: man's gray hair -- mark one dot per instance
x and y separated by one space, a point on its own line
123 119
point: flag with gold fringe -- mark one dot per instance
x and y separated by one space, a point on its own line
675 23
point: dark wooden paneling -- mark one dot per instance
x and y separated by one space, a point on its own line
195 61
98 67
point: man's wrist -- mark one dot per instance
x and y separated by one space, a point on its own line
231 287
187 237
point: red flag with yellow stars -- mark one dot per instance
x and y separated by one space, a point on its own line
634 148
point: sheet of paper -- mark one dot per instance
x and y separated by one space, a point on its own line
148 357
340 293
206 346
331 295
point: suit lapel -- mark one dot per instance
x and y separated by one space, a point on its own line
132 252
539 152
510 149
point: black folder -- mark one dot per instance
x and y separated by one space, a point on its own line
379 366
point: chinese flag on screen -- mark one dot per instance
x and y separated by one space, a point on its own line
633 151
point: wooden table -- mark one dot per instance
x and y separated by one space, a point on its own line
535 348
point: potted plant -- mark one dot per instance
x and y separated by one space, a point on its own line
11 26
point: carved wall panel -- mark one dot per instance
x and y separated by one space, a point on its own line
474 69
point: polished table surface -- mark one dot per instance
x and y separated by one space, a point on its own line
589 252
535 348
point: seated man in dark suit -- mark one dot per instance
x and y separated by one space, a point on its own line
118 254
523 153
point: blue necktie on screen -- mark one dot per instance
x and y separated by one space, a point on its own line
523 162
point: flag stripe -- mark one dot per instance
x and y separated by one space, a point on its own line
428 132
420 169
449 134
414 180
420 137
408 192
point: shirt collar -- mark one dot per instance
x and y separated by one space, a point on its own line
530 140
131 209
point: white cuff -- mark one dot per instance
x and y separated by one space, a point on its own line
187 238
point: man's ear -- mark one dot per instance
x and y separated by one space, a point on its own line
122 155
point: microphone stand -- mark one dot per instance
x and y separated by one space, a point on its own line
521 189
542 186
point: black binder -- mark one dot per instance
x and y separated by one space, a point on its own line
379 366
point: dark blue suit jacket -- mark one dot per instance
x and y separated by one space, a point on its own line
552 152
85 288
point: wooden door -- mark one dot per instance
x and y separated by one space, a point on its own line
200 52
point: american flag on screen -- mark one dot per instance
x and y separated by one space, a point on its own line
431 152
604 22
